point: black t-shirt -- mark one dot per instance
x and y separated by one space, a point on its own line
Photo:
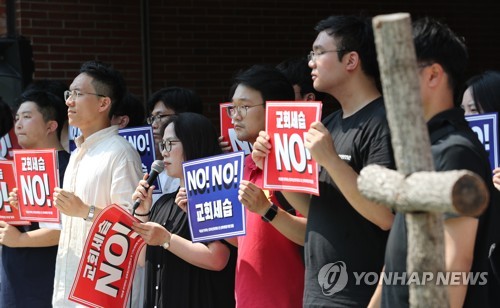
336 232
454 147
172 282
27 273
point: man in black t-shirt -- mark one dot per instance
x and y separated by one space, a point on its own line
345 233
442 58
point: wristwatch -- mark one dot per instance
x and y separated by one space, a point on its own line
166 244
271 213
90 216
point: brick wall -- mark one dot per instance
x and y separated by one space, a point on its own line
201 44
66 33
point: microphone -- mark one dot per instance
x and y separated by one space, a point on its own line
156 168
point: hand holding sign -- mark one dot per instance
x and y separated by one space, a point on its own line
181 199
13 198
224 145
320 143
152 233
496 178
9 235
261 148
253 198
108 261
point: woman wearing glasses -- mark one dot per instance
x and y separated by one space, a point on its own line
180 273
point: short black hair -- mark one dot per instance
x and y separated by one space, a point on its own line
107 81
55 87
435 42
132 107
178 99
52 107
354 33
298 72
268 80
198 135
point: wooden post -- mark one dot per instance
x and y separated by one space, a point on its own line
410 141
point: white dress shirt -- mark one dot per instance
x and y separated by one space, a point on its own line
104 169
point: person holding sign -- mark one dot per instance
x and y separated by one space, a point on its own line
180 273
269 255
103 169
483 96
342 225
39 121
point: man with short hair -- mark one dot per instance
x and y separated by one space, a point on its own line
442 59
346 233
104 169
39 121
269 267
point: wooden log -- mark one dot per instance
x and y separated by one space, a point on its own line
459 191
410 140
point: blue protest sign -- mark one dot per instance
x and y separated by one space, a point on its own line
141 138
486 127
214 210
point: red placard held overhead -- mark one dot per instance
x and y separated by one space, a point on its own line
36 177
7 183
290 166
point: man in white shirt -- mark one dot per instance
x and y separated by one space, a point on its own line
104 169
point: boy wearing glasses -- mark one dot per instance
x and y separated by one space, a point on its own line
345 232
103 170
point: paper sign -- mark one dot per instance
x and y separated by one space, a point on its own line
36 177
141 138
7 183
109 260
227 131
212 184
486 127
290 166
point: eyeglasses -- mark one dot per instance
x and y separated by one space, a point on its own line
76 94
167 145
313 55
157 118
233 111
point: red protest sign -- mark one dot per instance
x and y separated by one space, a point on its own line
108 262
7 183
36 178
290 166
227 131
